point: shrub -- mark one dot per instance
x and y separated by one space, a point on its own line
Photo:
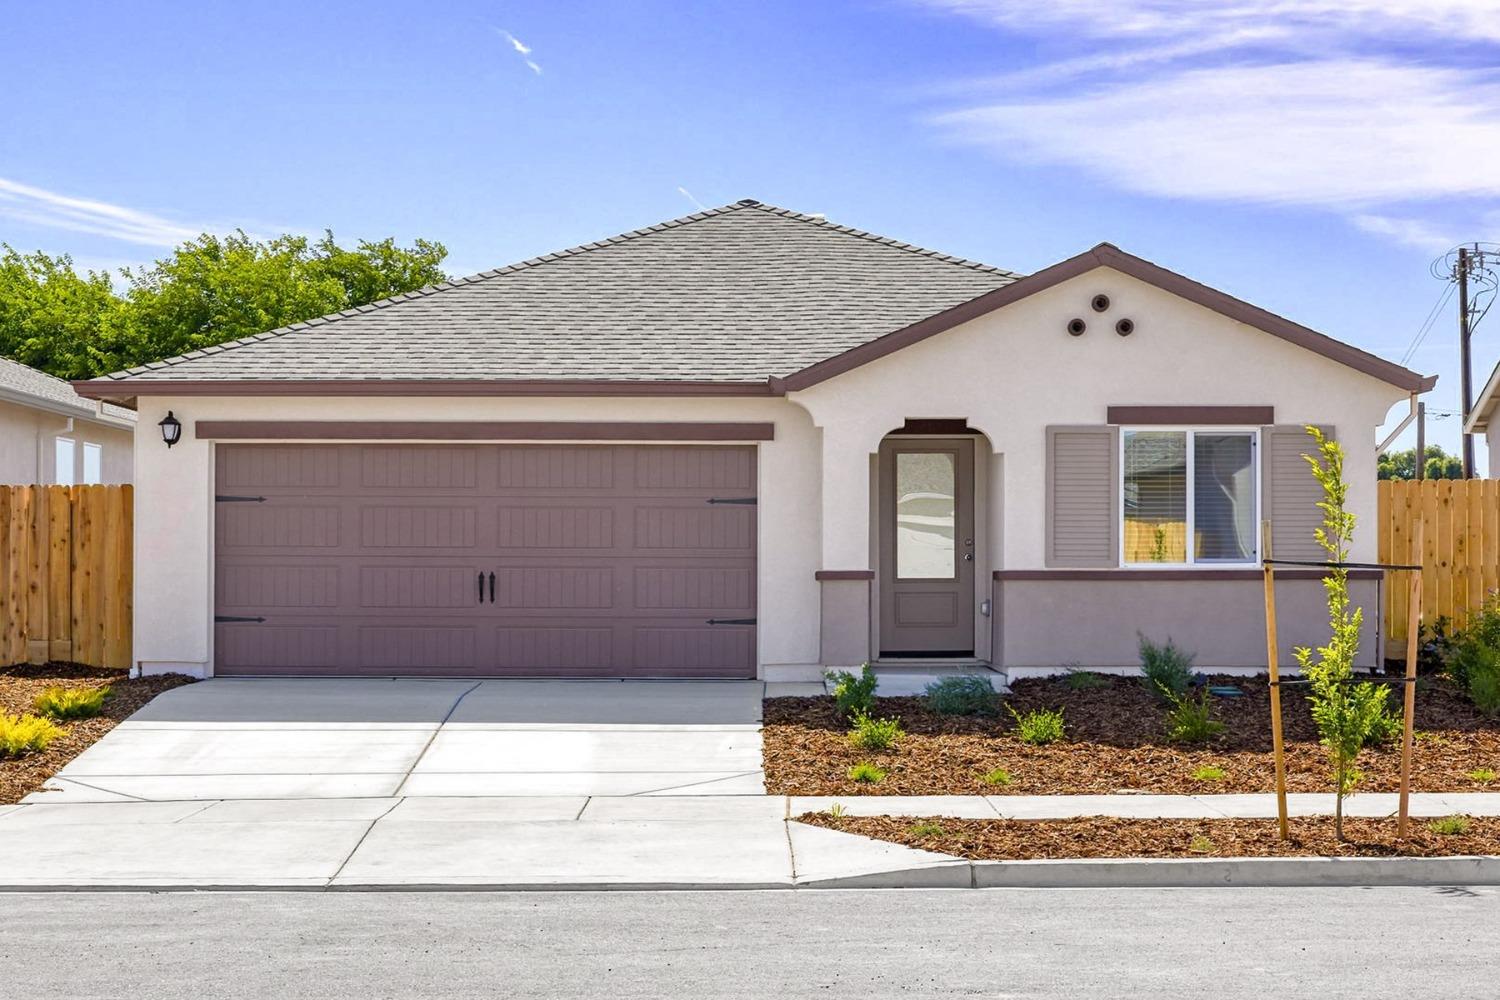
1039 726
999 776
1386 728
854 695
1473 657
1209 773
59 702
1201 845
20 734
1086 680
926 829
866 773
1482 774
1191 720
875 734
969 694
1450 826
1167 667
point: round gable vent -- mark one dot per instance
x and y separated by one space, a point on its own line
1125 327
1100 303
1076 327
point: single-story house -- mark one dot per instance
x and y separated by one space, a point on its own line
746 443
1482 420
49 434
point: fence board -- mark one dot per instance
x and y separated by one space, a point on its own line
65 574
1460 547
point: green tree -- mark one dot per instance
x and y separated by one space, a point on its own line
207 291
1348 715
1437 464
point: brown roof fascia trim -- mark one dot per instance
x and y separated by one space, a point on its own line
1258 415
479 430
844 574
1167 575
1105 255
105 388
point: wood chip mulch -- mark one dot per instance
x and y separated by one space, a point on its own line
1116 743
19 686
1109 837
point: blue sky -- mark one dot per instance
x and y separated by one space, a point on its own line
1310 157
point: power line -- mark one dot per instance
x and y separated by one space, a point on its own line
1426 328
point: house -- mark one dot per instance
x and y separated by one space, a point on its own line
746 443
1482 421
50 434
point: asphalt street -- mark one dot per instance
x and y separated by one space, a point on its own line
1081 943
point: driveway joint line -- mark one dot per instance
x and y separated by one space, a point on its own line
106 791
417 760
579 815
360 842
669 788
198 812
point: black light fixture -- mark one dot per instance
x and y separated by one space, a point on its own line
171 429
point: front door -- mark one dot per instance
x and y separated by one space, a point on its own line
927 547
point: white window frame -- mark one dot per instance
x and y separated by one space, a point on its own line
97 450
1191 430
57 470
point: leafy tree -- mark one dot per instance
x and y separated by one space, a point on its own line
1348 715
207 291
1437 464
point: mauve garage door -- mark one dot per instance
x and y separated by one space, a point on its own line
607 560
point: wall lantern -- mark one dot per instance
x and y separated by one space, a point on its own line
171 429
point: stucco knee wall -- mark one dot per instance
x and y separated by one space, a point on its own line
1097 623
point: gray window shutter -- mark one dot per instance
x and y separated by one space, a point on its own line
1289 493
1083 476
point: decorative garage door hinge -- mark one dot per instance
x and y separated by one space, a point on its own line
731 621
227 499
745 501
237 618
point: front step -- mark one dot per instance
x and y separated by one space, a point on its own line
899 679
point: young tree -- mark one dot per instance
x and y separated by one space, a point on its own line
1347 714
1436 464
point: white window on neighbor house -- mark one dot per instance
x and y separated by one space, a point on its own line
93 464
62 472
1189 497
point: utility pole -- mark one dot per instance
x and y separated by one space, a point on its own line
1463 353
1421 463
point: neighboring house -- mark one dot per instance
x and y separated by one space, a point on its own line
49 434
746 443
1482 420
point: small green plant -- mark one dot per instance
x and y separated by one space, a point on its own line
866 773
1450 826
1159 543
1190 720
1167 666
1484 775
1209 773
967 694
875 734
1039 726
60 702
999 776
1386 728
853 695
837 810
923 830
22 734
1201 845
1086 680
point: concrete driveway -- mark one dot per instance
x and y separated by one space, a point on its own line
369 738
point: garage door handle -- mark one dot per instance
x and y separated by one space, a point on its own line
481 588
492 588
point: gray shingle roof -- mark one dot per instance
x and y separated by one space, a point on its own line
736 294
23 384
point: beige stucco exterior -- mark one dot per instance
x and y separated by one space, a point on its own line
1010 374
28 452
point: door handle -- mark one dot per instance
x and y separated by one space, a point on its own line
492 588
481 587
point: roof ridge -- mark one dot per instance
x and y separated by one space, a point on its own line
37 371
556 255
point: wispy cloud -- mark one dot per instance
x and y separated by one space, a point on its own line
41 207
689 196
522 49
1380 110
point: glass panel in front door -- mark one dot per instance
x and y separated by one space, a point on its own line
926 509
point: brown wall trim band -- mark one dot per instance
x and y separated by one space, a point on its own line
106 388
929 426
844 574
479 430
1257 415
1168 575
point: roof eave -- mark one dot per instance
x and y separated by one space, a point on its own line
119 390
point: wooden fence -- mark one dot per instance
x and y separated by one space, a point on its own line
1460 546
65 574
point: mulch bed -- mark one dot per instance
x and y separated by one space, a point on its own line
1108 837
19 686
1116 743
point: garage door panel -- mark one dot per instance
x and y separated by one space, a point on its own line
695 528
424 469
269 467
694 649
276 585
266 526
678 469
400 648
267 648
555 587
567 648
570 468
418 526
432 587
700 588
554 525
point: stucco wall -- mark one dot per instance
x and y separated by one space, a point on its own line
28 454
174 508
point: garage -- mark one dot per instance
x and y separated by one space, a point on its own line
524 560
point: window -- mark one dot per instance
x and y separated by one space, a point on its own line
1189 497
926 508
62 472
93 462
